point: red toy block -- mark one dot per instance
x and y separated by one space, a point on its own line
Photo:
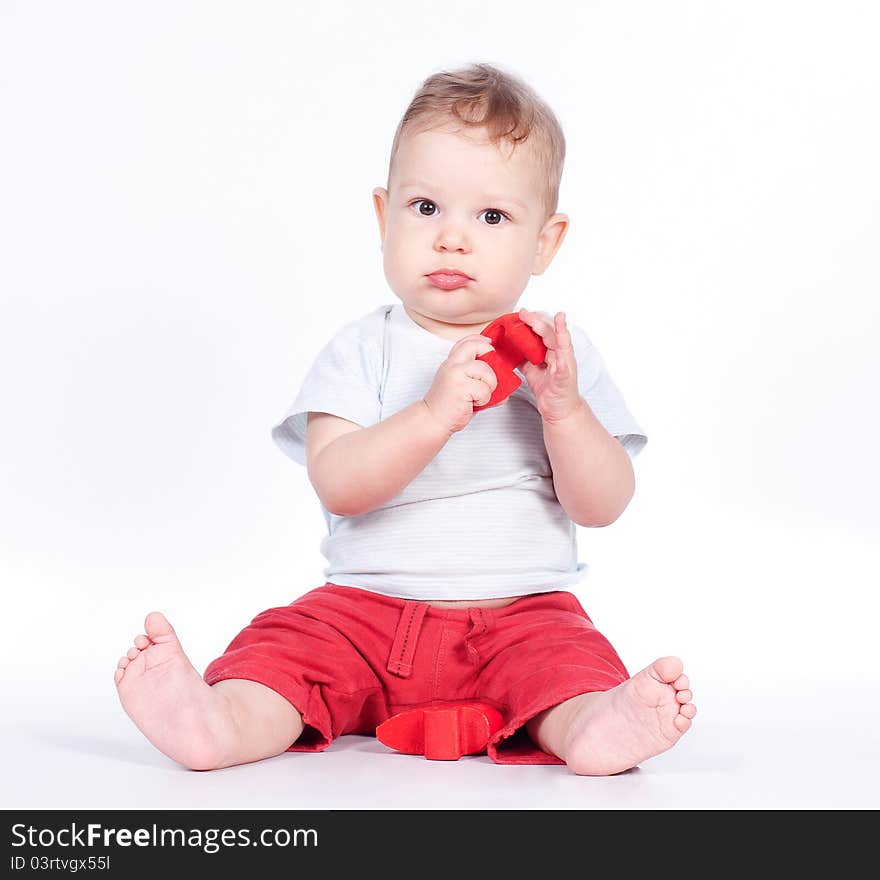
515 342
441 733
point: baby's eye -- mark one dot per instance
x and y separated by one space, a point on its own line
424 202
493 213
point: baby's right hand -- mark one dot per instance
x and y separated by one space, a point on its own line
461 383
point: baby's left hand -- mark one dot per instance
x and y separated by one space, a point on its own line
554 383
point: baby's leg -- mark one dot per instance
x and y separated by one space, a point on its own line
606 732
202 727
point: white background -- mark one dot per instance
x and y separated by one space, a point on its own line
185 219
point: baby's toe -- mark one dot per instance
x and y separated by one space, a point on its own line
667 669
133 652
121 666
688 710
684 696
156 625
681 723
682 683
141 642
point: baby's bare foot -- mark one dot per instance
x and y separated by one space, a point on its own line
174 707
615 730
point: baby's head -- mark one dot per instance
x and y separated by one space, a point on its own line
473 184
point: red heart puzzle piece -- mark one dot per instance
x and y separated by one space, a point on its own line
515 342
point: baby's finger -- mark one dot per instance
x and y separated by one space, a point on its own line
563 337
542 324
480 392
482 371
469 348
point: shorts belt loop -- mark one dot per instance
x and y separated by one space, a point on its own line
406 638
482 621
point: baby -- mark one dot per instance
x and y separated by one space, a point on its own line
450 532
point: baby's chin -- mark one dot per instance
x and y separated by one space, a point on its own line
451 317
450 307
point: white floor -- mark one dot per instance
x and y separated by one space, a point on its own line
808 750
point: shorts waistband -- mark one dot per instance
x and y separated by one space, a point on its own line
463 614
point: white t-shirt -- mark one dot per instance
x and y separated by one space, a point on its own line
482 519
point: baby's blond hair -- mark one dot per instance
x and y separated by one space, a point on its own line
482 96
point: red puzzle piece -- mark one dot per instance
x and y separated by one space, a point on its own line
515 342
441 733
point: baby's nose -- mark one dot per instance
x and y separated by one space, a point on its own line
452 238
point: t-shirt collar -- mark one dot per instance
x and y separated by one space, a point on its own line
406 323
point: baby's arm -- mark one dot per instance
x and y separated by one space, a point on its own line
355 470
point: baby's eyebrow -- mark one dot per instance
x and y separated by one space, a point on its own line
417 184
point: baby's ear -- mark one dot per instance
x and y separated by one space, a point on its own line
549 241
380 204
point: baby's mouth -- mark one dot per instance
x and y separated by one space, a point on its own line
449 280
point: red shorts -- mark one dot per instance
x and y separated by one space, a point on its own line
347 659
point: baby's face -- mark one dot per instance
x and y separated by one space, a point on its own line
456 201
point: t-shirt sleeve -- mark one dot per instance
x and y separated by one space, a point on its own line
598 389
342 381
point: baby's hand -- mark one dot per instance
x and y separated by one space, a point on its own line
554 383
461 383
